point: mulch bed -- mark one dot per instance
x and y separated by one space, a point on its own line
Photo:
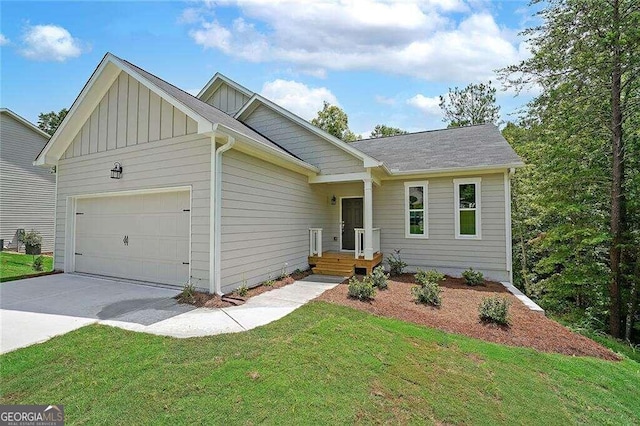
459 314
207 300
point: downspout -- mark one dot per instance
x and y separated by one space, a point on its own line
508 175
216 214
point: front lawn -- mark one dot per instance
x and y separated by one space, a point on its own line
16 265
321 364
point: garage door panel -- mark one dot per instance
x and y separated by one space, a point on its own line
157 227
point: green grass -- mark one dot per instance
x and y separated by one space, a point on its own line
322 364
15 266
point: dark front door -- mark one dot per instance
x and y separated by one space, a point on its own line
352 210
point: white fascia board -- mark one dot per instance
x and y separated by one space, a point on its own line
448 171
216 81
26 122
368 161
255 146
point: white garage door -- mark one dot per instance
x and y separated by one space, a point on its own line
140 237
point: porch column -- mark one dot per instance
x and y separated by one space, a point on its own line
368 219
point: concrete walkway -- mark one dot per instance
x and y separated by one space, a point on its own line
259 310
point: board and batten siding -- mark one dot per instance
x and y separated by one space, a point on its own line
302 143
27 192
127 115
175 162
441 250
227 99
266 215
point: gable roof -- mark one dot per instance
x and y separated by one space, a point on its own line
208 117
216 81
25 122
257 100
471 148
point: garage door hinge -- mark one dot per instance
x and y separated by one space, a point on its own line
186 210
185 263
79 213
78 254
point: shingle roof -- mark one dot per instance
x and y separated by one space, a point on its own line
207 111
458 147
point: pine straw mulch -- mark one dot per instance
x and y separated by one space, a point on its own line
459 314
207 300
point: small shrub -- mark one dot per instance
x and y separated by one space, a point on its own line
472 277
32 238
427 293
379 278
242 290
187 294
38 263
431 276
269 283
494 309
362 290
396 264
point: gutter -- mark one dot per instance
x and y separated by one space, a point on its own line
215 230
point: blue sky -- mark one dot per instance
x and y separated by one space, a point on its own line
382 62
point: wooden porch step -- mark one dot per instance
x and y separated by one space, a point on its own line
331 271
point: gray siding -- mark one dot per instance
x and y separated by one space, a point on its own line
266 215
227 99
302 143
129 114
181 161
441 250
27 192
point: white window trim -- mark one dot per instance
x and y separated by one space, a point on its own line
407 222
456 203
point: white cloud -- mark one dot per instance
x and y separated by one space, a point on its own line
50 43
430 106
385 100
298 97
3 40
413 37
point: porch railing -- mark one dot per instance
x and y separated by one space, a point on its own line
359 252
315 242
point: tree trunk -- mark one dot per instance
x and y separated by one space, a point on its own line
617 194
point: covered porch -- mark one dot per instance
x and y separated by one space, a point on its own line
348 239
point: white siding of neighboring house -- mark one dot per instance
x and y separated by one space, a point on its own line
129 114
302 143
266 215
441 250
27 192
227 99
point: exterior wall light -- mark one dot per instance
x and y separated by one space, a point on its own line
333 200
116 172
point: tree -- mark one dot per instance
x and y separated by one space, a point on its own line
333 120
475 104
50 121
382 130
586 59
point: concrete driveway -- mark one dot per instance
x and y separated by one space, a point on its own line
36 309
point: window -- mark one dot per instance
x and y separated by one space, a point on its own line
416 201
467 208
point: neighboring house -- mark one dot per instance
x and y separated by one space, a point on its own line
228 187
27 192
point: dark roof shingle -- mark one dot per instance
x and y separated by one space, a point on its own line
453 148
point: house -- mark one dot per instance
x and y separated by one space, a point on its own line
27 192
227 187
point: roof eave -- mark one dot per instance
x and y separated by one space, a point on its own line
445 170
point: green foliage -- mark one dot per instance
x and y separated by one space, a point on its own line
15 266
494 309
242 290
382 131
379 278
49 121
333 120
38 263
187 294
432 276
475 104
362 290
472 277
396 264
32 238
269 283
428 292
